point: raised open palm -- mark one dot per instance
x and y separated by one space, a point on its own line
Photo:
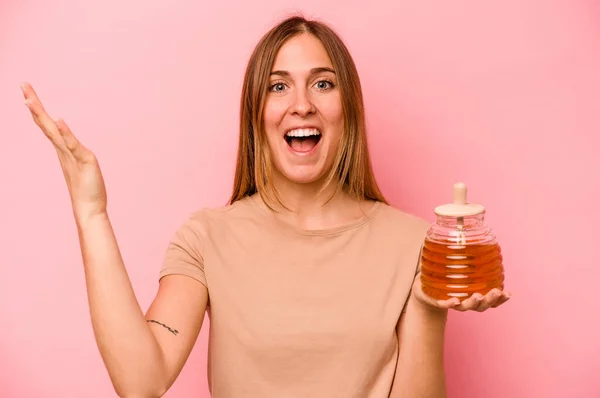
79 165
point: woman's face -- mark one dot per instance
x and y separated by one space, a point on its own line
303 116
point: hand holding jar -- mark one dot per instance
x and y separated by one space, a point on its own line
461 260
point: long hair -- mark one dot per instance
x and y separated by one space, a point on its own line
352 171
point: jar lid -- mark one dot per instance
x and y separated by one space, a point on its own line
460 207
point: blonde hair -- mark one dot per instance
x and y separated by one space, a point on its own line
352 171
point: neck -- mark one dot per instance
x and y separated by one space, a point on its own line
312 206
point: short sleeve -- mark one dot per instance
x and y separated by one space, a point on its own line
416 275
184 253
418 262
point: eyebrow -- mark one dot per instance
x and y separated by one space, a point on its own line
313 71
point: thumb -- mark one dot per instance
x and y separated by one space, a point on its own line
75 147
441 304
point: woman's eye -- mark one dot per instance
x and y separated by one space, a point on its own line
324 85
277 87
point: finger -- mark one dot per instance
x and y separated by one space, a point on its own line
40 116
470 303
490 299
33 101
503 299
447 304
69 138
72 143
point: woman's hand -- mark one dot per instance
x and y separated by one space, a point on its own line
476 302
79 165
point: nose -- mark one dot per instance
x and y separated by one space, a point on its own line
302 104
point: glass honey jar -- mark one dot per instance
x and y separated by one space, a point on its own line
460 255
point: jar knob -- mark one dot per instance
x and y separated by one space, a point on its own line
460 206
460 193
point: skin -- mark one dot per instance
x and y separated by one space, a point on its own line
303 92
146 360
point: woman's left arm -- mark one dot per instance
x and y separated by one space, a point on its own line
420 368
421 330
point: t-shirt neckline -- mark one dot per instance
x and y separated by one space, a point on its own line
265 213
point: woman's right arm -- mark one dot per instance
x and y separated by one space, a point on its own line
142 353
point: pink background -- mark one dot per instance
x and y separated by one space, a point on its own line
503 96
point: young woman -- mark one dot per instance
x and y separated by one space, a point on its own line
310 279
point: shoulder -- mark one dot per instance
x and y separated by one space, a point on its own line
401 222
200 221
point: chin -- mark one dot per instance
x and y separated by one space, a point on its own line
303 175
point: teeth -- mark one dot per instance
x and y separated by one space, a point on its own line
303 132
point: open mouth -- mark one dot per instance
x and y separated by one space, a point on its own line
303 140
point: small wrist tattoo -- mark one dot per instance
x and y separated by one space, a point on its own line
175 332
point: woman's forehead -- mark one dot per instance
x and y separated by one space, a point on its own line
302 54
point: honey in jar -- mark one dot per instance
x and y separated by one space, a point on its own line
460 255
